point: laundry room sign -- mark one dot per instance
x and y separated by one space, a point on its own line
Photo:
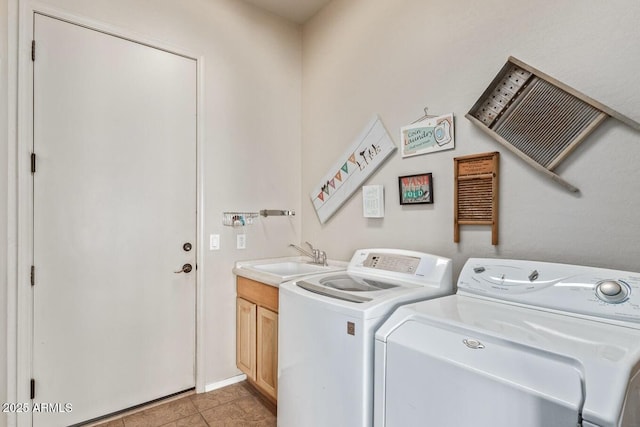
369 150
416 189
428 135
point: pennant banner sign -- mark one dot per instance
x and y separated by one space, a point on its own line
372 147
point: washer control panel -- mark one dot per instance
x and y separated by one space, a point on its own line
591 291
397 263
408 267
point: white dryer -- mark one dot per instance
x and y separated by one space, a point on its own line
326 328
522 343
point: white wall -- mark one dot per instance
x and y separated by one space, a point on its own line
251 144
396 57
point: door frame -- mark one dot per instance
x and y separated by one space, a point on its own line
20 203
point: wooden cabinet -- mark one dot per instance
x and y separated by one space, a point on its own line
246 337
267 351
257 335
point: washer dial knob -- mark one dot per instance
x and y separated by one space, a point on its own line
612 291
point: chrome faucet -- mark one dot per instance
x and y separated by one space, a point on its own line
318 256
302 251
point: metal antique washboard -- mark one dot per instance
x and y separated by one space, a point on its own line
537 117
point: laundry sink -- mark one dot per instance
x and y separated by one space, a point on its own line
278 270
291 268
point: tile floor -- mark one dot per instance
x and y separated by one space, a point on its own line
235 405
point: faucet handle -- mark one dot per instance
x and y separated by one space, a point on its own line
316 253
323 258
319 257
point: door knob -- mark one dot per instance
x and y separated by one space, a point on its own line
185 269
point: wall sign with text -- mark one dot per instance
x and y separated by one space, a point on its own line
416 189
367 152
427 136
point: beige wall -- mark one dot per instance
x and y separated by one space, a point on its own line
391 57
3 203
251 132
395 57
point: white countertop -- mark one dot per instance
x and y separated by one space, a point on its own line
245 269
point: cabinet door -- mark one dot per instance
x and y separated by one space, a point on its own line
267 352
246 337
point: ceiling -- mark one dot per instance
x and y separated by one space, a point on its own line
297 11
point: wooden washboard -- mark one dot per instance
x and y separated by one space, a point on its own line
475 199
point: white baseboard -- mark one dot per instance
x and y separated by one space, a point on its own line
224 383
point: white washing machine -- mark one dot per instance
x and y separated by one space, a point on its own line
522 343
326 325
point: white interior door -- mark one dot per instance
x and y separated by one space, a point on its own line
114 203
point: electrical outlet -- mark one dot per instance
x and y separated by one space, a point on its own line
214 242
241 241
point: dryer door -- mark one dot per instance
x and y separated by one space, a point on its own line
446 378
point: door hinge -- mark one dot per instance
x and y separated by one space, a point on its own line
33 50
33 388
33 162
33 275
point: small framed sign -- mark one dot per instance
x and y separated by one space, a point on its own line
416 189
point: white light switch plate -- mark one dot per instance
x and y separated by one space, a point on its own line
241 241
214 242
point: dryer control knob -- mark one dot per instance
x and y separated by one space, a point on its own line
610 288
611 291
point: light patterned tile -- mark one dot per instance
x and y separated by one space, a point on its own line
221 414
254 407
214 398
245 411
240 423
113 423
162 414
237 405
269 422
191 421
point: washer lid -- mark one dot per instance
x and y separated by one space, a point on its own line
351 287
346 282
606 355
331 293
